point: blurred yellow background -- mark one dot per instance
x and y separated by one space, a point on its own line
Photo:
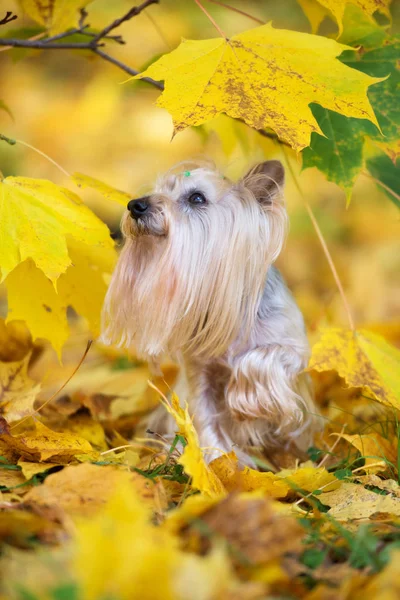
80 110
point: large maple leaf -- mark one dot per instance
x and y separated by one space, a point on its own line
265 76
36 219
364 359
52 243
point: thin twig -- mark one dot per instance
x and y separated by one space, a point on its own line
38 36
385 187
331 449
322 241
133 12
45 156
93 45
8 18
59 390
127 69
209 17
237 10
43 45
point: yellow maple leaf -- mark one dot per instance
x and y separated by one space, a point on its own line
377 451
352 501
17 390
104 189
36 217
364 359
316 10
81 490
44 444
265 76
82 286
203 478
275 485
116 554
55 15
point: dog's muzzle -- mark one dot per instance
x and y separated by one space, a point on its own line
139 207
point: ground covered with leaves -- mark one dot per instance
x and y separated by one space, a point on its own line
90 508
93 507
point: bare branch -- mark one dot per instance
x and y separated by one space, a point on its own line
8 18
93 45
133 12
127 69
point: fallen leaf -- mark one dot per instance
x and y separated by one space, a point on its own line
275 485
256 76
253 526
123 529
17 390
44 444
30 469
192 459
88 429
377 451
384 585
10 478
363 359
80 490
352 502
20 527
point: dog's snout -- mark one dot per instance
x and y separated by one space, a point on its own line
138 207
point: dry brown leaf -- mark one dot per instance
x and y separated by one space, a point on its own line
43 444
29 469
255 530
352 502
17 390
80 490
375 449
18 527
11 478
276 485
15 341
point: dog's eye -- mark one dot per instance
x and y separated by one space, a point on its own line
197 198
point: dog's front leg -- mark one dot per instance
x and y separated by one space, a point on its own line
268 396
205 384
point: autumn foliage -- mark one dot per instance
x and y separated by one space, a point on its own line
90 509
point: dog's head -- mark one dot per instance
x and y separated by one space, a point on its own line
194 263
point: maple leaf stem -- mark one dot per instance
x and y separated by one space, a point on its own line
209 17
322 241
45 156
237 10
386 187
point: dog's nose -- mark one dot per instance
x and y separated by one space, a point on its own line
137 208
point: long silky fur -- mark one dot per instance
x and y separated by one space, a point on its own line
197 288
197 284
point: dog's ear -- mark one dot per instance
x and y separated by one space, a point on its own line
265 180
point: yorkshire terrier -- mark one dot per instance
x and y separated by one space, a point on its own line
195 281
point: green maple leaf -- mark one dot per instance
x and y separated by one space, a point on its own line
340 155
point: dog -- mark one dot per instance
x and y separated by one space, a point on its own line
195 281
